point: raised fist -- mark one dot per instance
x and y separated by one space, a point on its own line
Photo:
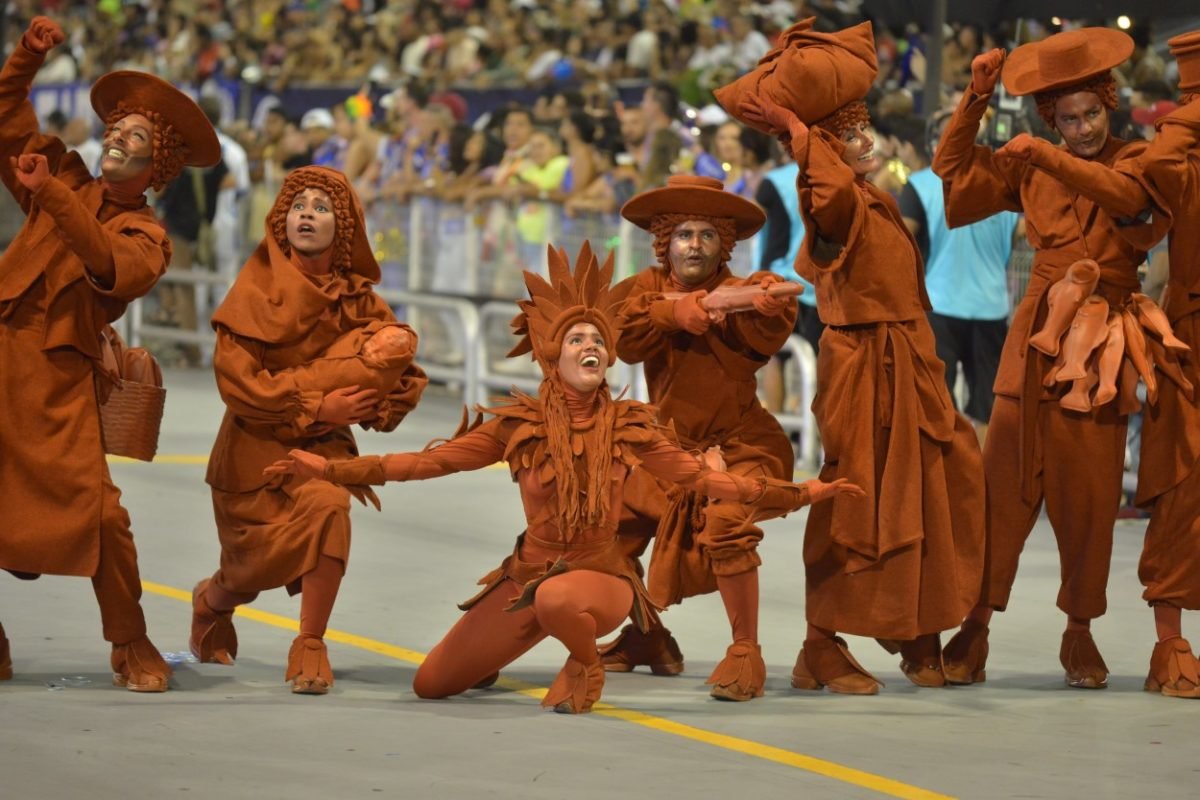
985 70
32 170
43 34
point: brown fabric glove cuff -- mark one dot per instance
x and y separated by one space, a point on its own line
362 471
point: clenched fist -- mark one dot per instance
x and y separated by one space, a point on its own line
32 170
1020 147
43 34
985 70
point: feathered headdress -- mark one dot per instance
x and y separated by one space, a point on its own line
584 295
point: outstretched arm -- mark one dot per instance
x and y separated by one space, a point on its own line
1114 189
473 450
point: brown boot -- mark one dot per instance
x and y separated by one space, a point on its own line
576 688
1064 298
656 649
213 639
1174 670
827 662
1082 660
308 666
921 661
964 659
741 674
139 667
5 657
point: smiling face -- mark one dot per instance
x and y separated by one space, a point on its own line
1082 119
128 148
695 252
860 150
583 359
310 222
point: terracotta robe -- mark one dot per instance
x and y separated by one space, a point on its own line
1035 449
275 332
56 496
906 560
704 388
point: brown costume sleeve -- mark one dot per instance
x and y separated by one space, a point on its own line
763 333
19 132
473 450
255 394
646 319
1114 189
828 193
666 461
125 262
1165 160
976 183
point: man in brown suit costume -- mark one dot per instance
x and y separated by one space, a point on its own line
87 248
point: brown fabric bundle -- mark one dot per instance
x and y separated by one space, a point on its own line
812 74
131 398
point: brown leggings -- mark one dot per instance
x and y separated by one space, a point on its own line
117 583
318 592
575 607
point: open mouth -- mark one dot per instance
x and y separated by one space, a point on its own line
116 154
305 227
590 362
867 157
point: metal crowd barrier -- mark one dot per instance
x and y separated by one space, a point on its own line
809 453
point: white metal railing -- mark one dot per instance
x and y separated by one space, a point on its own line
809 453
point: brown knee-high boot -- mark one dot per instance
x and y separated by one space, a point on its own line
742 673
308 660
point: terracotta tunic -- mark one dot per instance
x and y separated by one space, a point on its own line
274 333
906 560
1036 449
518 436
55 492
704 388
1169 471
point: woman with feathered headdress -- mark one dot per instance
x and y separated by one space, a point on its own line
569 449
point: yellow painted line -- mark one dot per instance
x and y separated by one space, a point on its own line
778 755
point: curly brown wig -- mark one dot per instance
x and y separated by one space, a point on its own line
664 225
168 153
848 116
1102 85
343 213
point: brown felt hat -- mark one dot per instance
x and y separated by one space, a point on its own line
1064 59
143 90
1186 50
692 194
810 73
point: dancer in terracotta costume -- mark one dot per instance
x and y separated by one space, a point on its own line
700 368
88 247
1166 178
305 349
906 564
1051 436
569 450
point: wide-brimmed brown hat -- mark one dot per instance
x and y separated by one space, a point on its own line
692 194
143 90
1186 50
810 73
1065 59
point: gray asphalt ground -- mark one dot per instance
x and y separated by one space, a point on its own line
237 732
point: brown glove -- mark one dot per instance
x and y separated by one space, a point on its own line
690 313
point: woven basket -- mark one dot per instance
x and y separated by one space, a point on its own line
130 419
130 410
